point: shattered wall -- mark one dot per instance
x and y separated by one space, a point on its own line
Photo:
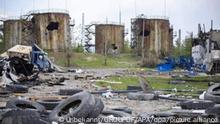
52 31
111 34
158 39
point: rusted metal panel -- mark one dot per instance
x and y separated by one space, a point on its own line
109 34
158 40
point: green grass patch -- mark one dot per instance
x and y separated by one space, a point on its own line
82 60
125 81
157 83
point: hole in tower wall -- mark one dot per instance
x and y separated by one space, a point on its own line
53 26
146 33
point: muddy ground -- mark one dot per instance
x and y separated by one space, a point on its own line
119 100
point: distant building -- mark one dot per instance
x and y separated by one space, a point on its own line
152 39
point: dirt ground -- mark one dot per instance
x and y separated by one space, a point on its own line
119 100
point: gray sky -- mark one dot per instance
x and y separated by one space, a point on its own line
183 14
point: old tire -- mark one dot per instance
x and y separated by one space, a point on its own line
5 93
98 108
141 96
24 104
2 112
196 104
23 117
215 110
69 92
78 106
49 104
214 89
15 88
211 97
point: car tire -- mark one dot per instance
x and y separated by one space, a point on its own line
98 108
196 104
77 106
214 89
211 97
49 104
15 88
215 110
24 104
23 117
69 92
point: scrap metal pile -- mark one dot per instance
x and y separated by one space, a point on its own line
21 65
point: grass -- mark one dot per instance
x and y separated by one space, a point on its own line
125 81
82 60
157 83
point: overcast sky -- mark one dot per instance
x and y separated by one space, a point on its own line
183 14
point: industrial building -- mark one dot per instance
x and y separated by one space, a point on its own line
49 30
109 38
151 38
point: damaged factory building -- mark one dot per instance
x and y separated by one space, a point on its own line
109 38
152 39
49 30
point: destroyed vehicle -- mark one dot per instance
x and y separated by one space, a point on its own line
32 55
23 63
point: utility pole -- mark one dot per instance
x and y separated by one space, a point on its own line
105 50
120 15
142 43
83 29
179 40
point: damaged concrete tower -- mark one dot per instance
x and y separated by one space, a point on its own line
109 38
52 30
17 31
49 30
151 38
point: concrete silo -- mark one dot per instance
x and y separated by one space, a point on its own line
109 37
52 30
12 32
152 39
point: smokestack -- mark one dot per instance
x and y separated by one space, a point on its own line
204 28
199 29
211 25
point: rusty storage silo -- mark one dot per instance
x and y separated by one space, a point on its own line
12 32
52 31
109 36
152 39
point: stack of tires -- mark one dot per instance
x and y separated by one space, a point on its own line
79 108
